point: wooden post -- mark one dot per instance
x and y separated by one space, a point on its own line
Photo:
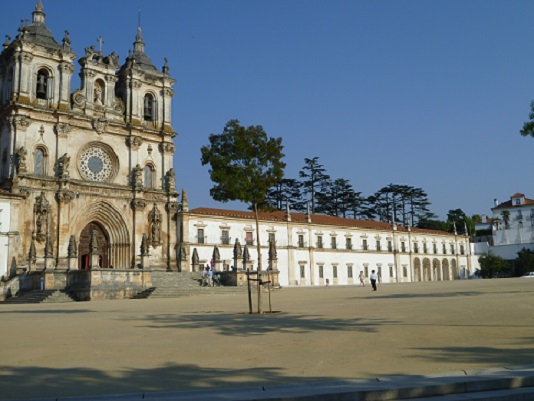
249 292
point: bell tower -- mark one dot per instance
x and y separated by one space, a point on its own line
35 69
146 92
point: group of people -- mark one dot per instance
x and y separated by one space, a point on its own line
374 278
210 278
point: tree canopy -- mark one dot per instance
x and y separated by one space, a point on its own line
244 163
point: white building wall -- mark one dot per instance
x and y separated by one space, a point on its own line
303 265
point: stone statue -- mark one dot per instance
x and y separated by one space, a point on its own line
63 166
21 159
138 177
98 95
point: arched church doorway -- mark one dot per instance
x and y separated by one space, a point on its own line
103 246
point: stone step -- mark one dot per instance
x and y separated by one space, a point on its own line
36 297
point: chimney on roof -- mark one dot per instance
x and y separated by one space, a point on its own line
484 218
496 202
288 212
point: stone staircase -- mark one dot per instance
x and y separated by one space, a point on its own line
173 285
37 297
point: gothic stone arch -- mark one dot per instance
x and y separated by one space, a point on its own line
114 228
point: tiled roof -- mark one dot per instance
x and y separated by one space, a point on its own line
315 219
509 204
517 195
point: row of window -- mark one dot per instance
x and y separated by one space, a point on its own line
350 273
249 240
43 91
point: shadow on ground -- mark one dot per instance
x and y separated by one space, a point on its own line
480 355
242 325
40 382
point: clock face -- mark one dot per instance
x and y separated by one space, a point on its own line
95 164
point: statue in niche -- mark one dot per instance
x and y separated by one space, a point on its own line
21 159
98 95
155 226
41 210
138 177
63 166
171 180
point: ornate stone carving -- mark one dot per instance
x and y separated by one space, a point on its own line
168 92
26 57
21 122
48 249
63 166
138 204
144 246
78 98
24 191
172 207
170 181
32 254
134 142
100 125
154 218
137 178
41 209
167 147
136 84
62 129
72 250
118 105
65 196
21 154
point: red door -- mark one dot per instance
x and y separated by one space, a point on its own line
103 245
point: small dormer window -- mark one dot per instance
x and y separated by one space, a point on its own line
517 201
148 108
41 90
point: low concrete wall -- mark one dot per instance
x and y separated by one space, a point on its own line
104 284
239 278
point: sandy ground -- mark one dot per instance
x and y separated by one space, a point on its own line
203 342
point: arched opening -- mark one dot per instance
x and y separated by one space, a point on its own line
148 108
41 88
426 270
84 246
417 270
99 92
454 270
445 270
436 270
39 161
8 87
149 176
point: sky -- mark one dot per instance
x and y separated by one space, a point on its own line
430 94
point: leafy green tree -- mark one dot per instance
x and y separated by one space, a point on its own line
314 178
433 225
285 190
244 164
524 262
492 265
528 127
400 203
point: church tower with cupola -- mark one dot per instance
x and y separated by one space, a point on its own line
93 166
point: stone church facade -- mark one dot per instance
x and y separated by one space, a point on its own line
91 169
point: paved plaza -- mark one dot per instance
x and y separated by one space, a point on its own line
206 342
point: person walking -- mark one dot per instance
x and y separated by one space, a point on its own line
362 279
373 277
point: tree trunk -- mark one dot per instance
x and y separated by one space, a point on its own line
258 247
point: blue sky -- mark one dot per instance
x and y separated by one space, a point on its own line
426 93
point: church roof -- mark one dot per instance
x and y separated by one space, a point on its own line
138 58
37 32
315 219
